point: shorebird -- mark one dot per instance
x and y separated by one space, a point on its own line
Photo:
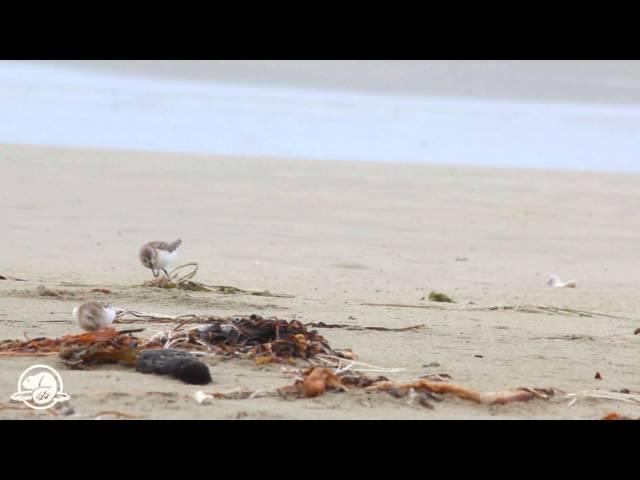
94 315
157 255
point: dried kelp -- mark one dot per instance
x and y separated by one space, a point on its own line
82 350
122 314
315 382
119 348
184 282
130 316
342 364
625 396
549 310
408 305
110 346
358 380
569 337
358 328
37 347
264 339
312 382
444 388
545 309
238 393
250 337
229 290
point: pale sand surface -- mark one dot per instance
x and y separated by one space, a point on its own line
555 80
334 235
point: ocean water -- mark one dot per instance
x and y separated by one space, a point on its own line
49 105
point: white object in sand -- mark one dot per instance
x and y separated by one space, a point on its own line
202 398
555 282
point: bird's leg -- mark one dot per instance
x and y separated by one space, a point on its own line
165 272
155 273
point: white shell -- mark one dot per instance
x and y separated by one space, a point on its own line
555 282
202 398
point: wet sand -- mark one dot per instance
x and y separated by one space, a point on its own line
335 235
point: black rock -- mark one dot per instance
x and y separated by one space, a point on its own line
178 364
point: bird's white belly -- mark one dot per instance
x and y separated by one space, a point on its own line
164 258
109 316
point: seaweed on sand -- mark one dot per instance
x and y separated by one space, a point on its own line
83 350
316 381
250 337
265 339
185 282
439 297
125 317
359 328
544 309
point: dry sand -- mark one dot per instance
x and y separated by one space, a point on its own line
335 235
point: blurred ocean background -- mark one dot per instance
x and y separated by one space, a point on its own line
413 114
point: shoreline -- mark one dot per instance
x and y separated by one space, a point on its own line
467 168
557 81
70 107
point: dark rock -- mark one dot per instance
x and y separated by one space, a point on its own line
178 364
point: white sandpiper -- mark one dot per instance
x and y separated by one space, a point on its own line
157 255
94 315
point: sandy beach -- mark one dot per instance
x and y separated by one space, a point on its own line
320 181
335 235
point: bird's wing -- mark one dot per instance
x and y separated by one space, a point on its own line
94 311
160 245
169 247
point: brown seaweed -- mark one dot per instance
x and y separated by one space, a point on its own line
82 350
442 388
182 281
252 336
358 328
316 381
118 348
